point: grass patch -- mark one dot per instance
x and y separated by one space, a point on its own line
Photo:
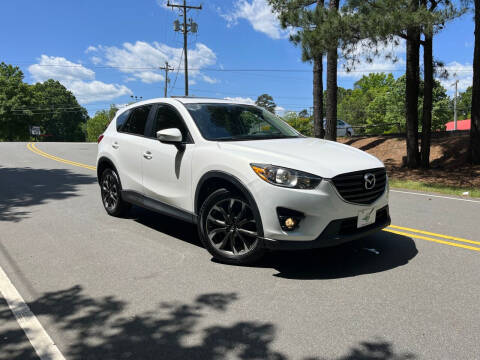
438 188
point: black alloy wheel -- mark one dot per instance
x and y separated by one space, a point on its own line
111 193
230 229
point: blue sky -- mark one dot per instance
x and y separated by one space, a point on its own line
105 50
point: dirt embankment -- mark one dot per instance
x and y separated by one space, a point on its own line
448 158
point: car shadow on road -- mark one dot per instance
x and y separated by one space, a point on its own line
375 253
106 328
378 252
21 188
167 225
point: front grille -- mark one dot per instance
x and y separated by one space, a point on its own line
351 186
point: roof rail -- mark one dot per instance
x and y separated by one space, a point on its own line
194 97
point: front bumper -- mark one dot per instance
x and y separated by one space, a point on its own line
328 219
337 232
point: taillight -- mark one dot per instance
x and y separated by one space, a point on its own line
99 139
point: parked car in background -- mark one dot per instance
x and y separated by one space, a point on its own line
343 129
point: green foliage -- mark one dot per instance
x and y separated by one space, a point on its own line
376 105
299 123
303 113
266 101
14 95
464 104
98 123
58 112
48 105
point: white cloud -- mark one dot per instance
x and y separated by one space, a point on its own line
376 66
209 80
91 91
279 110
140 60
76 78
59 68
163 4
259 14
375 60
150 77
91 49
457 71
96 60
244 100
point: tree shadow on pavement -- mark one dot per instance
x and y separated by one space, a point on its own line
97 328
14 343
21 188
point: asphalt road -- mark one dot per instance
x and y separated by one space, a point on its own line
143 287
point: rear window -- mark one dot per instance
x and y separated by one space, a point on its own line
121 119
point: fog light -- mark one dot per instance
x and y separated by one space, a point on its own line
290 223
289 219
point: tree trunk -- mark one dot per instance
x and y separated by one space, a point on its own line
332 60
411 96
474 153
319 131
427 100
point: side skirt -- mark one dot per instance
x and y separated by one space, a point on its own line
141 200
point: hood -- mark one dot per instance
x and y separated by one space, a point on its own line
316 156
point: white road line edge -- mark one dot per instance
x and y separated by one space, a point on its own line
38 337
435 196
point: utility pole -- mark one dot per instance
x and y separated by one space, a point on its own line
185 28
455 106
167 68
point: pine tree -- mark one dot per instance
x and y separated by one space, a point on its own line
474 151
383 21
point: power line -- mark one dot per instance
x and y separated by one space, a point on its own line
371 70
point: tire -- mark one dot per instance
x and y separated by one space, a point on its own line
349 134
229 229
110 189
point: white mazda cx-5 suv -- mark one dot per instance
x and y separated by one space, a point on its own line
246 178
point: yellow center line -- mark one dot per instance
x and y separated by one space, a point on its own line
435 234
434 240
33 148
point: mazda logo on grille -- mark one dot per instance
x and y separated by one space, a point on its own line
369 181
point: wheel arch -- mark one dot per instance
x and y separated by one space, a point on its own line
104 163
214 180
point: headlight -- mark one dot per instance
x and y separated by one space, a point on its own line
281 176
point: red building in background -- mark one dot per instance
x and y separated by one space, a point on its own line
461 125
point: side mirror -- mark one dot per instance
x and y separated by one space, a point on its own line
171 136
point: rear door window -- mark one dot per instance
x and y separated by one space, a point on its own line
137 120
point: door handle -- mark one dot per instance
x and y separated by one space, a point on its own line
115 145
147 155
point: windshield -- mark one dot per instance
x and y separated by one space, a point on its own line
230 122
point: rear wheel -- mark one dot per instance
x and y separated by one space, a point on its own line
230 229
111 194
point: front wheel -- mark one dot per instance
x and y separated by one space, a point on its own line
229 228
